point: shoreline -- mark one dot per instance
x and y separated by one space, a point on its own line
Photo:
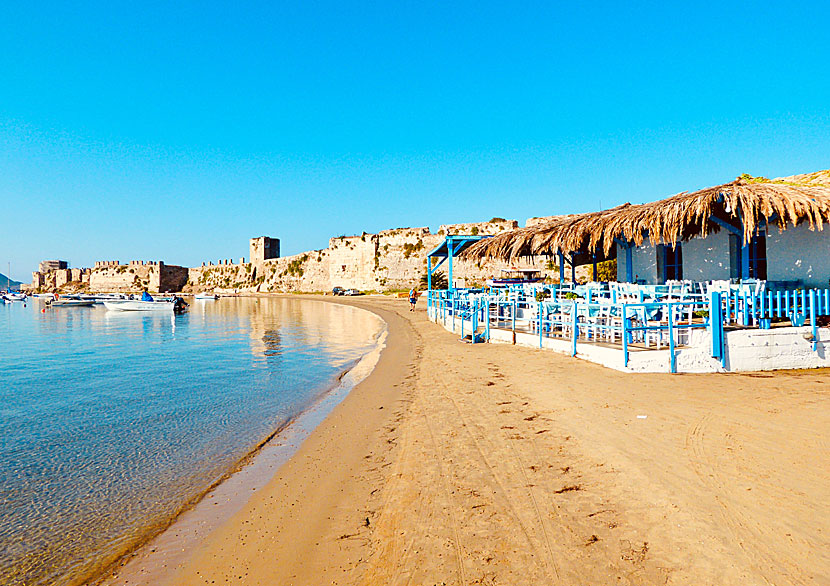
152 560
496 464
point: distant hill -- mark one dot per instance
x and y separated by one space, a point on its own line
5 283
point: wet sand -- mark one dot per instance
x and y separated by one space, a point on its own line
490 464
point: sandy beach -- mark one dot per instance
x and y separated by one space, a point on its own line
454 464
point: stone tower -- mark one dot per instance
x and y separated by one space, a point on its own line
263 248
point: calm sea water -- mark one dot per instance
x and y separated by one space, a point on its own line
111 423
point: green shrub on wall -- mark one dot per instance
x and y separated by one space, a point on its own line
607 271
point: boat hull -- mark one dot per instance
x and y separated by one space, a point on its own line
71 303
149 306
15 296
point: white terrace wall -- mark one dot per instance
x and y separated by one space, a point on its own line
799 253
746 350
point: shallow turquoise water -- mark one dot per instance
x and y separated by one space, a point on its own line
111 422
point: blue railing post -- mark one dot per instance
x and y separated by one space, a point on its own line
487 323
716 325
625 335
474 319
672 357
575 326
540 308
813 324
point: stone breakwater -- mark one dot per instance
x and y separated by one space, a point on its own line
388 260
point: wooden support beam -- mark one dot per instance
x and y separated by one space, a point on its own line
727 225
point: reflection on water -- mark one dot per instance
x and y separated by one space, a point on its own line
112 422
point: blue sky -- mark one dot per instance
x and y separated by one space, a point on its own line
176 131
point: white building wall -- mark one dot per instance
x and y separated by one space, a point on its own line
644 263
799 253
707 259
704 259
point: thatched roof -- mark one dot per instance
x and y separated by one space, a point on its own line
757 200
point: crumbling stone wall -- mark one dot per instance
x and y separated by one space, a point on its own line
388 260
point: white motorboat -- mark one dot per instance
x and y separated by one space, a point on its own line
203 296
158 305
101 297
70 303
15 296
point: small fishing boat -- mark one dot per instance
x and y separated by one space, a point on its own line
14 296
70 303
101 297
160 305
176 304
204 296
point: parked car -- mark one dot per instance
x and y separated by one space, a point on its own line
337 291
351 292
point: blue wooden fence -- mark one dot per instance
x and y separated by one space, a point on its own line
601 318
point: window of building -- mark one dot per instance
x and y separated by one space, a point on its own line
672 263
758 256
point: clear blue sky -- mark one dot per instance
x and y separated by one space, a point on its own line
176 131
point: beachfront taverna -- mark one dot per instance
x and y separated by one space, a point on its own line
751 228
729 278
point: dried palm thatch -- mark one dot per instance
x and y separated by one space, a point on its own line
747 203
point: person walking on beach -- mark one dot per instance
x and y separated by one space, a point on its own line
413 298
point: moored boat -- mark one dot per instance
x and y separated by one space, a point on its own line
70 303
203 296
101 297
9 296
175 304
160 305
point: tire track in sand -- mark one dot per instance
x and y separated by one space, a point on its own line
547 555
742 529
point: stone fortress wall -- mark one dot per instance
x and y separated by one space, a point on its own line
111 276
389 260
